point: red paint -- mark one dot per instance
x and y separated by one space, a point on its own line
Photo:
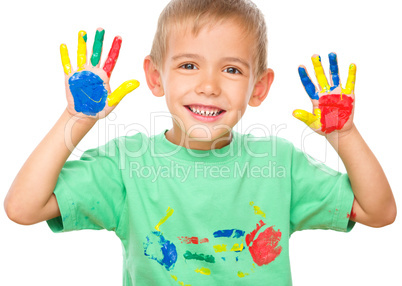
204 240
352 215
265 248
192 240
113 55
335 111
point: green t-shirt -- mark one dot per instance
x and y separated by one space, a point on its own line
192 217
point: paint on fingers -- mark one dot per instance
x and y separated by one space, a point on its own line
350 84
307 83
334 70
82 50
319 72
125 88
113 55
65 59
97 47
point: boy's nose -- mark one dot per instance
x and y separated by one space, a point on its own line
208 85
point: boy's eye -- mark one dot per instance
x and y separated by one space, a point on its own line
232 70
188 66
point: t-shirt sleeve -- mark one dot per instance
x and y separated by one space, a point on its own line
90 191
321 197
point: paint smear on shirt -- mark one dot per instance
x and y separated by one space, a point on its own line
202 257
192 240
220 248
237 248
233 233
265 248
203 270
169 212
161 250
241 274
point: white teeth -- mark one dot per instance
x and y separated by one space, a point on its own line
205 112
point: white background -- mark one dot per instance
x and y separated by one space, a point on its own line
367 33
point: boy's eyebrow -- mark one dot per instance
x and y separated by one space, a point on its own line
198 57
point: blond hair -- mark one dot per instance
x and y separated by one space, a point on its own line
210 12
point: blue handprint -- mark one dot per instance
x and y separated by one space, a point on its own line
88 91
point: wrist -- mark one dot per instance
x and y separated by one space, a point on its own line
338 139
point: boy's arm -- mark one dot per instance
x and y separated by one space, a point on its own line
374 203
30 198
333 107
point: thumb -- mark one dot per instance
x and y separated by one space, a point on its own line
125 88
311 120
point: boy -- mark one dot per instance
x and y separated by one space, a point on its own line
211 214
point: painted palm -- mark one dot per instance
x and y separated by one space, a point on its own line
333 105
88 88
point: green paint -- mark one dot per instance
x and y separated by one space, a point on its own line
85 38
97 48
202 257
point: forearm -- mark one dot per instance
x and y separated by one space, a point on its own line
375 201
35 182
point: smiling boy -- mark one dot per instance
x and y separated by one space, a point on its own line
229 220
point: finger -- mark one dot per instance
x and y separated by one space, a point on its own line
311 120
334 70
65 59
97 47
319 73
113 55
307 83
125 88
350 84
82 50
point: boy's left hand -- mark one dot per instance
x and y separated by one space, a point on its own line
333 106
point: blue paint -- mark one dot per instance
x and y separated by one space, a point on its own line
88 91
234 233
308 85
161 250
223 258
237 258
333 67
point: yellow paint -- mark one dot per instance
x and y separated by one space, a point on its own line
181 283
174 277
251 203
241 274
350 83
319 73
82 50
203 270
220 248
312 120
258 211
169 212
65 59
237 247
125 88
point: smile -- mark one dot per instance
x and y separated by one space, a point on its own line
205 113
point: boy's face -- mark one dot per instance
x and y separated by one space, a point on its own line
212 73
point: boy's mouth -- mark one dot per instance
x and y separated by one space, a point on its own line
205 110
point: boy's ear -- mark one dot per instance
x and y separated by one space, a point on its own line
153 77
261 88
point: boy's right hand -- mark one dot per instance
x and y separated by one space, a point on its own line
87 88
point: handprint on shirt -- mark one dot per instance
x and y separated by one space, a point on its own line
333 105
263 245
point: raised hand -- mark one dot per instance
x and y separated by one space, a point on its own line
87 88
333 106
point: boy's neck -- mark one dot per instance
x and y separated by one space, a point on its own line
179 137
